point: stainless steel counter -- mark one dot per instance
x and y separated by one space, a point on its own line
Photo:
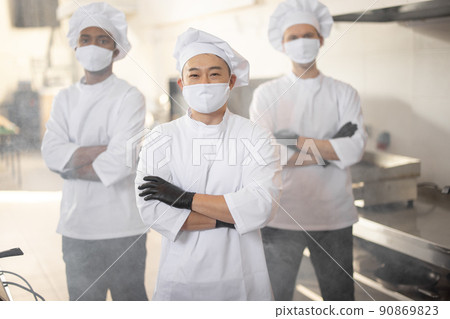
421 231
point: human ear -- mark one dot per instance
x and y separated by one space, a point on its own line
180 84
232 81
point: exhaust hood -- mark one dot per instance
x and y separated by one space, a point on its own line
407 12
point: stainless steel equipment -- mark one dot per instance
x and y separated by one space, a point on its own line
382 178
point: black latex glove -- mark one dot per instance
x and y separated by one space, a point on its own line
284 135
160 189
347 130
221 224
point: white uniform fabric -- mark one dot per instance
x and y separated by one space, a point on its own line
193 42
317 197
104 16
222 263
106 113
292 12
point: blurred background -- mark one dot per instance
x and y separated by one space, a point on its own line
397 55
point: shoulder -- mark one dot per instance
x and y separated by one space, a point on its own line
339 86
273 85
170 128
128 96
70 90
64 96
246 128
127 87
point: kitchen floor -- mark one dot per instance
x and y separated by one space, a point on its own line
28 216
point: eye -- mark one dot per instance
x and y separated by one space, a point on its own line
215 74
193 75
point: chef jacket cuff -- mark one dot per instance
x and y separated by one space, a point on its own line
232 207
107 179
183 215
67 151
338 149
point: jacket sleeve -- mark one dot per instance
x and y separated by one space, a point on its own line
255 204
350 149
57 149
153 160
261 114
111 165
260 110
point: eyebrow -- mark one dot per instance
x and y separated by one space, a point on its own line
97 36
211 68
296 35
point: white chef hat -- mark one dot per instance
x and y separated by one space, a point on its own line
102 15
194 42
291 12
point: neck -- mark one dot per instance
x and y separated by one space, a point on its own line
98 76
305 71
213 118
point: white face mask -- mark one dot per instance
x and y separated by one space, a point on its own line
302 50
206 98
94 58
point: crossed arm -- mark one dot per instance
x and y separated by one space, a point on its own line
324 147
80 164
206 210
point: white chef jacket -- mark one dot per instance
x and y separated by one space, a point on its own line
222 263
106 113
314 197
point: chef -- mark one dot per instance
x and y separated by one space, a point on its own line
85 143
323 117
207 182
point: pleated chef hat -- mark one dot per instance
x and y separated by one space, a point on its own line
194 42
291 12
102 15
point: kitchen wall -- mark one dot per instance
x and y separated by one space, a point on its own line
402 74
400 71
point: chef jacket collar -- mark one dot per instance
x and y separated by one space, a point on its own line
293 78
204 127
82 83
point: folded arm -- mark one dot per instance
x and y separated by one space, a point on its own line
196 221
213 207
84 155
80 164
310 151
